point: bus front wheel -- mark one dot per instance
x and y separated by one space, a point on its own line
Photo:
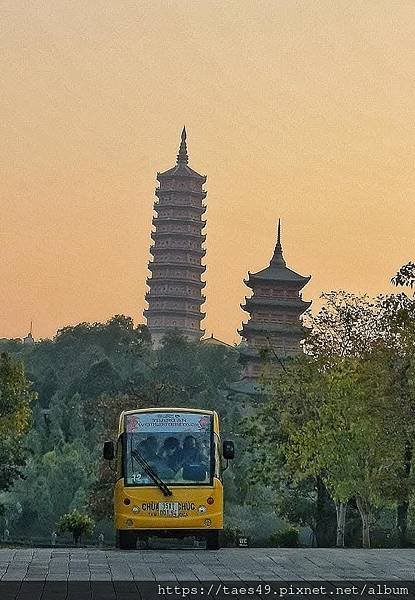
213 540
126 540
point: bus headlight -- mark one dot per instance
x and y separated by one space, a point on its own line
202 508
135 509
207 522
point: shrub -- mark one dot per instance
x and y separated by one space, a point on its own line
231 535
384 538
77 524
288 538
253 522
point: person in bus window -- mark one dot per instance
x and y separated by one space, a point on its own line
204 449
151 446
171 453
191 452
148 450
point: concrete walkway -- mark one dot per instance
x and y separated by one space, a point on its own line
239 564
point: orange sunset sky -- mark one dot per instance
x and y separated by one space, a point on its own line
299 109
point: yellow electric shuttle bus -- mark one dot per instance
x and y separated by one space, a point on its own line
169 483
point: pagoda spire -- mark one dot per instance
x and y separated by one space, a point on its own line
278 258
182 157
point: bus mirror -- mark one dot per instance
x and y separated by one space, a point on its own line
108 451
194 473
228 450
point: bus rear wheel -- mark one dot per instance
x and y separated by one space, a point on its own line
126 540
213 540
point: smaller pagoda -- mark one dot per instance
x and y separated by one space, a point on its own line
29 340
275 308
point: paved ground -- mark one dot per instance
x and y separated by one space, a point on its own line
239 564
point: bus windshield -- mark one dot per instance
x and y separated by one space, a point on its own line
176 446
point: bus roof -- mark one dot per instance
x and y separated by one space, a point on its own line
213 413
164 409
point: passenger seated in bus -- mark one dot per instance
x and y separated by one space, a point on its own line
171 453
148 450
192 453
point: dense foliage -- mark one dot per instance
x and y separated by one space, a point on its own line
15 415
327 447
84 378
344 413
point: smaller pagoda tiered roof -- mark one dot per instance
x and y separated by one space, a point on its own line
275 308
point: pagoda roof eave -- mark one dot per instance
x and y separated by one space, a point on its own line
181 170
177 235
288 303
212 341
184 220
172 296
290 330
169 328
248 387
279 274
188 266
157 250
158 206
160 191
180 280
175 311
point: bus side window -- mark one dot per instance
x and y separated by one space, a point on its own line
217 471
118 458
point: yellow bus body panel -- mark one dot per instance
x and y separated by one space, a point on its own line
190 499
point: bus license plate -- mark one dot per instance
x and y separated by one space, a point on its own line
168 509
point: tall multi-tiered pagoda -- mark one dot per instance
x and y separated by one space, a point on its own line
175 295
275 308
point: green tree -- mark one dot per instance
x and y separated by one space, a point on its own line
398 323
85 377
15 418
405 275
355 326
346 325
104 415
303 501
347 438
54 481
77 524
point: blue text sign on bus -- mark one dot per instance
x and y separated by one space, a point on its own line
168 422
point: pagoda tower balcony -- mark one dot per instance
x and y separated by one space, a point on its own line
158 331
172 279
174 295
293 305
179 194
200 209
163 250
180 312
179 221
152 265
161 235
285 329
